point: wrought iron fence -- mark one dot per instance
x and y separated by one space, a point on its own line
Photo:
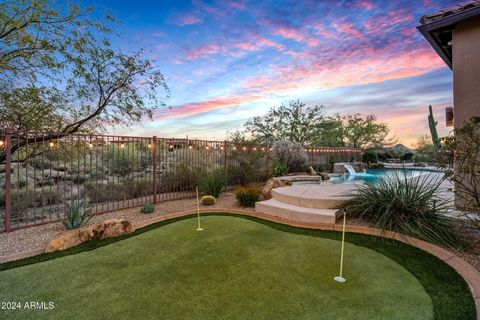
40 172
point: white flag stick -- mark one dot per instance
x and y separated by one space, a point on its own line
199 228
340 277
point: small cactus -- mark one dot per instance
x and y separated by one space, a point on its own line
207 200
433 128
147 208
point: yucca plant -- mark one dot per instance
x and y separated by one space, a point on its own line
212 183
76 215
412 206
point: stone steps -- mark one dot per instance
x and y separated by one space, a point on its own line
308 197
288 211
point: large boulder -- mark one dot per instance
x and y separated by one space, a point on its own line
324 175
68 239
311 172
110 228
102 230
272 184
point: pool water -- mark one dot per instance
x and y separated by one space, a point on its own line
373 175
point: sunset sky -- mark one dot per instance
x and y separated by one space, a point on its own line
226 61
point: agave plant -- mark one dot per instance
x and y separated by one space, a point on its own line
412 206
76 215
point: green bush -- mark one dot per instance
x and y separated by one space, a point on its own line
290 153
25 198
212 183
182 177
370 156
278 168
121 160
412 206
98 192
207 200
147 208
76 215
247 196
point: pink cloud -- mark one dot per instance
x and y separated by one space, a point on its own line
367 5
240 5
203 51
294 34
188 20
383 24
347 28
189 109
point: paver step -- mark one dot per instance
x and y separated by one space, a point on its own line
288 211
320 197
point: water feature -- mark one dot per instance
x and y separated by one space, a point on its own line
350 169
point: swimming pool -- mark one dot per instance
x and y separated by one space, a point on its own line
373 175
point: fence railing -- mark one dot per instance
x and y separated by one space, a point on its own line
40 172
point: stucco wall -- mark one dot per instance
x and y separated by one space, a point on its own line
466 71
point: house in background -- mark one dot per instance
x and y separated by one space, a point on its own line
454 33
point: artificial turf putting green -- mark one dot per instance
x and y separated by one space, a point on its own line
239 269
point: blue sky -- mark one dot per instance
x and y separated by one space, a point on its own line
226 61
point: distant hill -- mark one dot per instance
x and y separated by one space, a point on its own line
400 148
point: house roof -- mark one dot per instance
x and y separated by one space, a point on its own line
437 27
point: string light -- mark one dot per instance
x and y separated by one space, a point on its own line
263 149
190 147
51 144
122 145
207 147
254 148
149 145
244 148
1 143
234 148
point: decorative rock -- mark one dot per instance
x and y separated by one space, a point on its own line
110 228
102 230
311 172
68 239
272 184
324 175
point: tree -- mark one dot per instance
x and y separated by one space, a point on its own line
294 122
331 132
364 132
48 48
425 150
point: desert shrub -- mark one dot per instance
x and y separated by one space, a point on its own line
370 156
181 177
147 208
464 144
28 198
247 196
121 161
246 167
413 206
212 183
291 154
207 200
98 192
278 168
76 214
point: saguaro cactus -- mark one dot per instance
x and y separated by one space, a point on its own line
433 128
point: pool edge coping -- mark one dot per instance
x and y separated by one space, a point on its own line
462 267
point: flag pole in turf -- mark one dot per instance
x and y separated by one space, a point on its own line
340 277
199 228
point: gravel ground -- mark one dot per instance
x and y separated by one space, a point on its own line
38 237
